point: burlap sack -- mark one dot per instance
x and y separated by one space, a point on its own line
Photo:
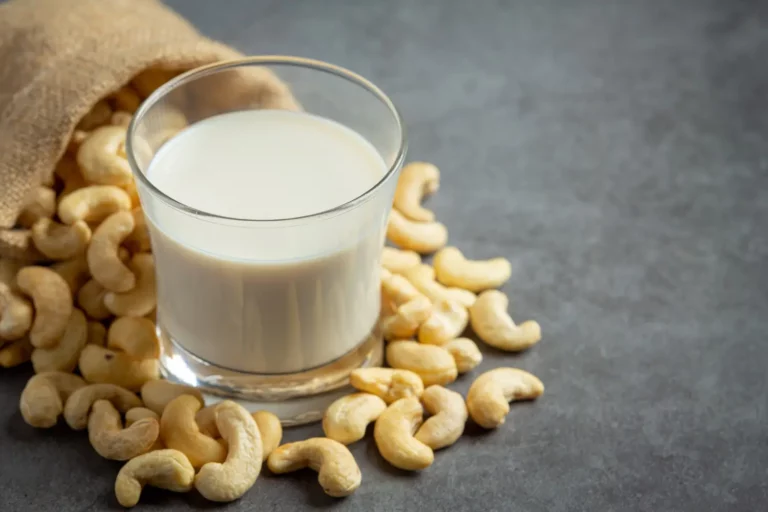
57 59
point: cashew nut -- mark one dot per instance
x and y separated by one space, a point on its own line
398 261
432 363
125 99
42 400
140 413
166 469
111 440
407 319
101 156
53 304
346 419
422 237
15 353
75 272
493 325
102 365
79 403
93 203
449 415
15 314
121 118
337 470
138 240
60 241
90 297
453 269
156 394
489 396
39 204
135 336
447 321
269 427
97 334
97 116
69 173
143 298
423 278
63 357
103 258
417 179
397 288
229 480
393 434
179 431
77 138
387 383
465 353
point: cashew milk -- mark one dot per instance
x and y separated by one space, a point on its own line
253 293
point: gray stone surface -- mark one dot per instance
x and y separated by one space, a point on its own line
616 152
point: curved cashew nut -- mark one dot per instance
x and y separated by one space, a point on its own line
229 480
393 434
387 383
447 321
102 365
489 396
140 413
63 357
90 298
111 440
338 472
138 240
74 272
157 394
432 363
97 116
453 269
417 179
101 156
449 415
93 203
179 431
143 298
79 403
422 237
15 314
53 304
42 400
269 427
493 325
397 261
60 241
15 353
407 319
103 258
346 419
465 353
166 469
397 288
39 204
423 278
97 334
135 336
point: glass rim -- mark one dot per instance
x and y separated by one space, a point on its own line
266 60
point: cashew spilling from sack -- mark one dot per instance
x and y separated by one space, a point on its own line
397 260
42 400
453 269
447 321
394 438
64 356
142 299
135 336
338 472
39 204
101 156
74 272
156 394
15 353
16 314
103 258
179 431
423 278
60 241
104 365
432 363
53 304
407 319
79 403
417 179
269 426
465 353
111 440
489 396
165 469
93 203
346 419
422 237
449 415
493 325
90 298
387 383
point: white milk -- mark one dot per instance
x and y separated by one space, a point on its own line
258 296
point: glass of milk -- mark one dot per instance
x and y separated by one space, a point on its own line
267 218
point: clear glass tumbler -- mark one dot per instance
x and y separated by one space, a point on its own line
215 332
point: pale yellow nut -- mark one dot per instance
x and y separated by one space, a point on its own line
133 193
135 336
432 363
446 322
15 353
111 440
125 99
97 334
93 203
74 271
157 394
465 353
64 356
417 180
77 138
346 419
138 240
39 204
489 396
140 413
397 260
338 472
60 241
398 289
269 426
142 299
16 314
103 258
97 116
422 237
179 431
90 297
102 365
101 156
423 278
53 304
493 325
42 400
78 405
453 269
448 417
389 384
393 433
165 469
407 319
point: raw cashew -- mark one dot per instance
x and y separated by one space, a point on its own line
423 278
156 394
75 272
39 204
493 325
120 118
138 240
101 156
465 353
166 469
140 413
93 203
338 472
79 403
143 298
432 363
393 434
125 99
387 383
407 319
453 269
269 427
97 334
449 415
447 321
346 419
103 259
135 336
53 304
42 400
97 116
102 365
417 179
15 353
422 237
397 261
60 241
229 480
90 297
111 440
15 314
489 396
179 431
398 289
63 357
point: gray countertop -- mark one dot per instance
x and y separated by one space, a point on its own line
617 153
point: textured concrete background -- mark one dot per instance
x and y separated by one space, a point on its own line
616 153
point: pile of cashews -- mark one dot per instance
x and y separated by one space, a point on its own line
88 307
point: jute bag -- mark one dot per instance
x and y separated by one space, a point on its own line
58 58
